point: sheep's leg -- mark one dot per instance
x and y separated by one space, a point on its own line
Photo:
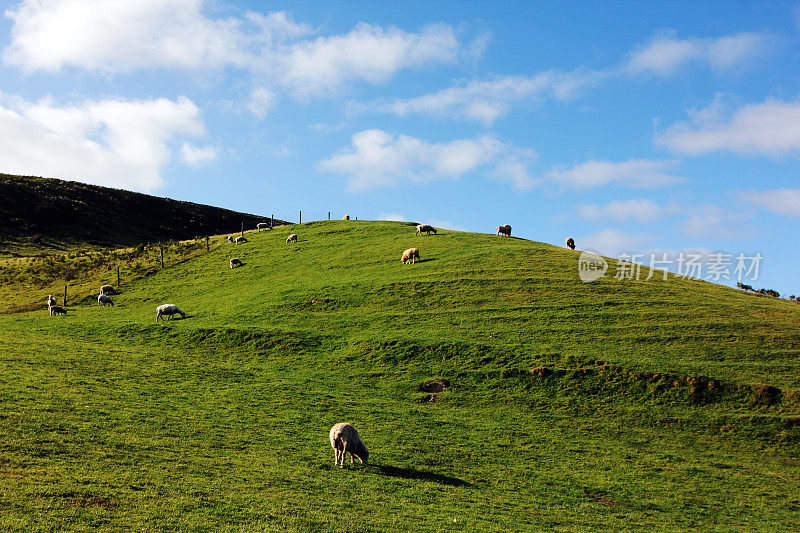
344 454
335 457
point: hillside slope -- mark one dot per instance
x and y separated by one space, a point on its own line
44 213
494 389
521 300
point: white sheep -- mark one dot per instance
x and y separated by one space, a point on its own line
570 242
235 262
230 239
57 310
426 228
262 225
292 238
346 217
51 301
240 239
169 310
107 289
412 254
505 229
102 299
344 438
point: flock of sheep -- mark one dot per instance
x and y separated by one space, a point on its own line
343 436
105 300
410 255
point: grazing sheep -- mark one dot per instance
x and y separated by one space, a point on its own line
346 217
292 238
505 229
169 310
102 299
57 310
230 239
240 239
412 254
262 225
570 242
51 301
107 289
426 228
235 262
344 438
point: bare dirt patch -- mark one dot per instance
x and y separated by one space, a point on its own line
435 386
92 500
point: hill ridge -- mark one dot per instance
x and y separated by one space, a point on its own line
52 214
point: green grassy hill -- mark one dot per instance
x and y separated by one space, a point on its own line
555 404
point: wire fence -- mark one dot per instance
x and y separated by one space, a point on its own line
302 216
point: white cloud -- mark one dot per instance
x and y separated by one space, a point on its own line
780 201
515 171
612 243
125 35
195 156
640 173
770 128
486 101
665 54
712 221
376 158
283 149
368 52
444 224
121 35
435 222
639 209
117 143
261 101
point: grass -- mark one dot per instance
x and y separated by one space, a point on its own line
24 279
570 406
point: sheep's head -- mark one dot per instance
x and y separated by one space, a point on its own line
362 453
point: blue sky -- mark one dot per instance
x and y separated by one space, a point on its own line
633 127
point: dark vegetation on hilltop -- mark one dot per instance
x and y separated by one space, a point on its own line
43 213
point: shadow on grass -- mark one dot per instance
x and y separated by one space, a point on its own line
177 319
412 473
424 260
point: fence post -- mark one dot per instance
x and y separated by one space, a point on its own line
242 228
208 248
329 215
272 221
118 282
301 217
65 295
162 256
